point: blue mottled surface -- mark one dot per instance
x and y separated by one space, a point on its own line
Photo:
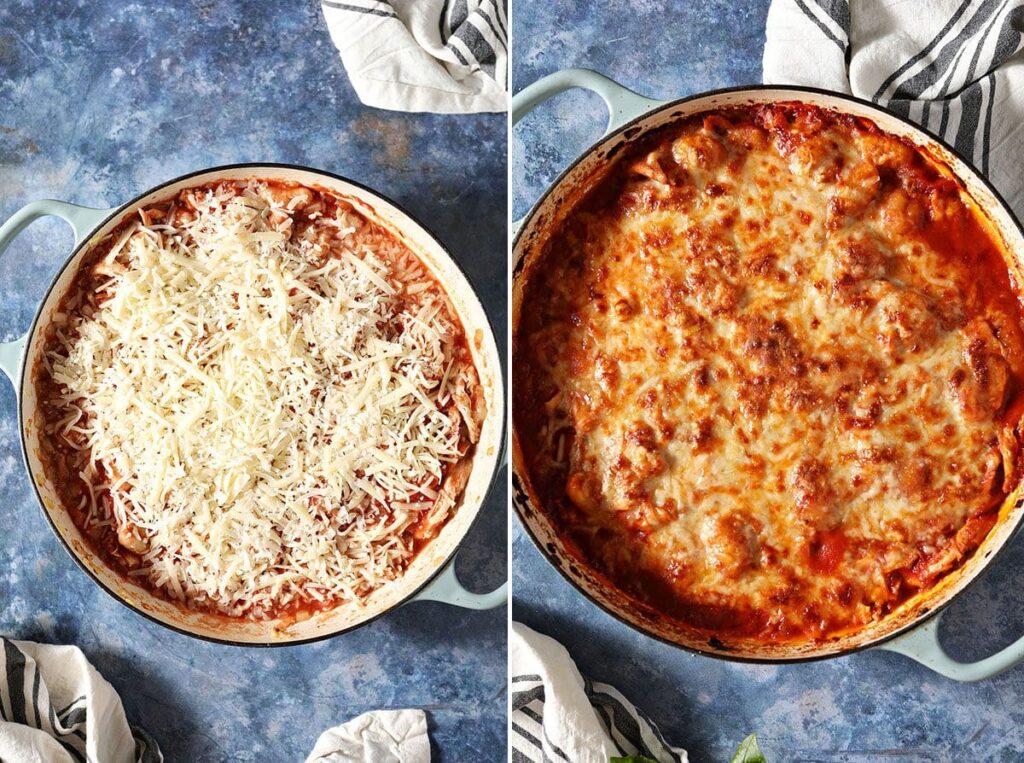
866 707
101 100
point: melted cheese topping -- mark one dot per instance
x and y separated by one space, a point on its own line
263 394
764 370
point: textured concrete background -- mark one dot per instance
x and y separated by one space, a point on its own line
866 707
100 100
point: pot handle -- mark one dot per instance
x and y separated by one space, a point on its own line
623 104
922 645
446 588
81 219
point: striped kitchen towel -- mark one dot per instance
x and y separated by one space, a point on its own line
558 715
444 56
954 67
55 708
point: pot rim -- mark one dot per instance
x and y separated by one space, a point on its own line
517 268
120 210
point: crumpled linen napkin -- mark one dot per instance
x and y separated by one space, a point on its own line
56 708
380 736
954 67
443 56
557 714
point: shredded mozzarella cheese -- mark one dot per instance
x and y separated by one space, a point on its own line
268 409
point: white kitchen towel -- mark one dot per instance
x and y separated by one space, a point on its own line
380 736
558 715
56 708
954 67
444 56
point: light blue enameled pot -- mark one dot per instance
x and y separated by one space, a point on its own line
430 577
912 629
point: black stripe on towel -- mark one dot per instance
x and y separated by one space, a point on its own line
626 721
150 752
460 12
839 12
981 46
962 93
558 751
35 696
657 733
534 715
921 53
490 12
65 727
529 712
522 698
526 678
73 751
901 106
822 26
494 30
970 116
477 44
69 707
57 731
1009 35
499 16
944 122
945 60
15 681
525 734
621 718
468 43
987 137
458 54
531 740
605 714
441 29
75 717
951 71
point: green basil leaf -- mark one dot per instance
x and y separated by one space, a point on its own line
749 752
632 759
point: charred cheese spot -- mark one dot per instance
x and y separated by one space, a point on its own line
881 150
906 322
855 259
651 167
981 385
579 492
917 475
731 543
815 158
811 484
769 347
698 150
860 187
901 213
